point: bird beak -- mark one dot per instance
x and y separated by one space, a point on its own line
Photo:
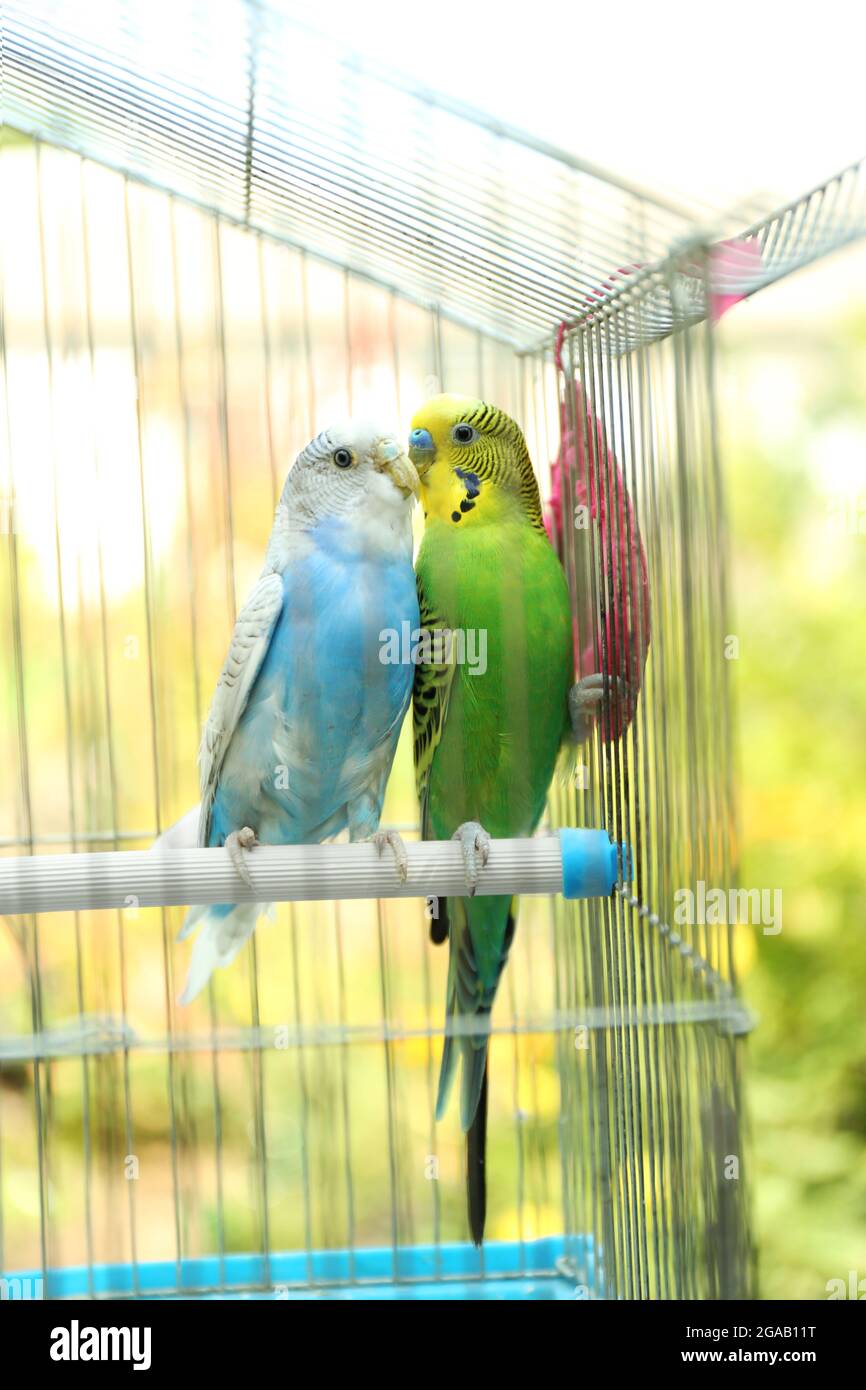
391 459
422 450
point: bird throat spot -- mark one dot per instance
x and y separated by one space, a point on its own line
472 485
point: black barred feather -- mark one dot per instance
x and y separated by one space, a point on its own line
439 923
429 707
507 459
476 1159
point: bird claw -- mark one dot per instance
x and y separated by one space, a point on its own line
585 700
398 848
475 843
235 844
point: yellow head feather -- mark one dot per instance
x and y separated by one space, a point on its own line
478 469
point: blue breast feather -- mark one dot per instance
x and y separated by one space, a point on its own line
312 751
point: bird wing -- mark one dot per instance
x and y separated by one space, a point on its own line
250 641
429 703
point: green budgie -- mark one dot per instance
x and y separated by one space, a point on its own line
488 729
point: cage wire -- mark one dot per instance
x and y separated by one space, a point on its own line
203 263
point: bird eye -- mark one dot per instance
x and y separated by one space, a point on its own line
463 434
342 458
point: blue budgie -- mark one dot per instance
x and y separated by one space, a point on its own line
304 723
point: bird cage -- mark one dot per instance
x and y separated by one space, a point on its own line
204 263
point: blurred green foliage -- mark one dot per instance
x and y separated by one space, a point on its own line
794 421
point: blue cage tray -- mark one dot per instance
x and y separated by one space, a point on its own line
504 1270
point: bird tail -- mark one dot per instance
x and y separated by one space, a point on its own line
481 931
224 927
476 1154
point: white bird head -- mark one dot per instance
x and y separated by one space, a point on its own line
356 467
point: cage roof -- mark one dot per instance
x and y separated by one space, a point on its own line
275 127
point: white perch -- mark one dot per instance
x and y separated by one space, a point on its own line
578 863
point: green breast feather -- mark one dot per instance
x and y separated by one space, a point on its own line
491 705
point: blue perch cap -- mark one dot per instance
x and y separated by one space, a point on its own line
591 864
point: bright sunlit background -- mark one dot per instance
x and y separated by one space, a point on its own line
793 419
716 102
